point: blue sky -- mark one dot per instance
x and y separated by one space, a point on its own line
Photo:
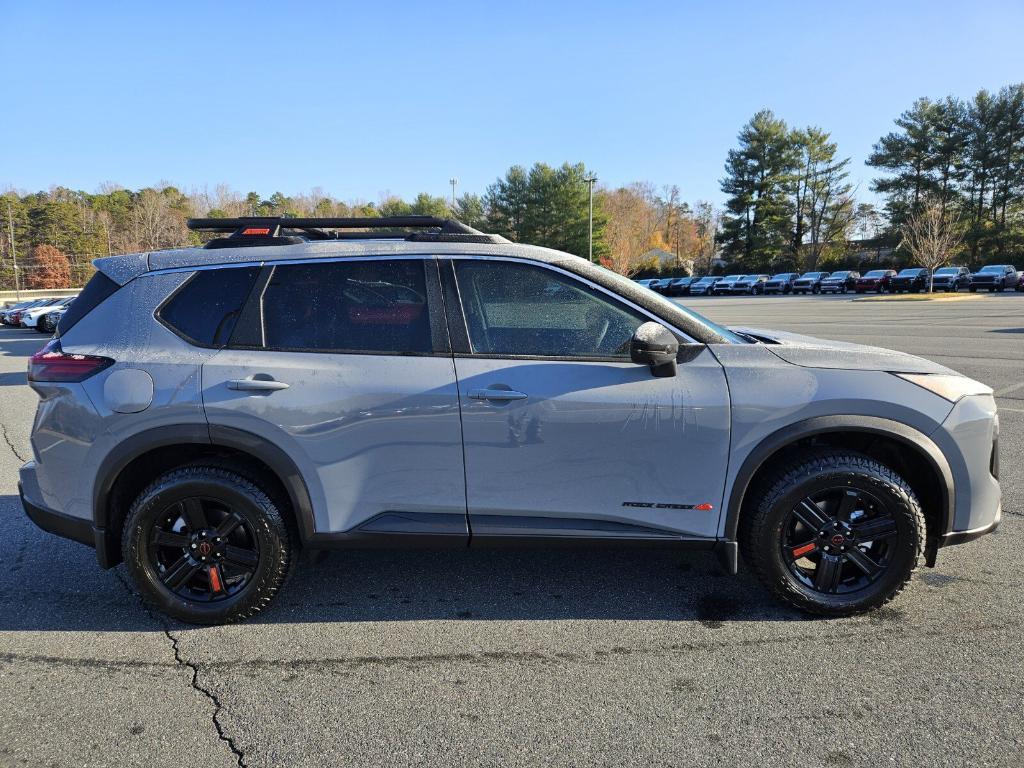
367 99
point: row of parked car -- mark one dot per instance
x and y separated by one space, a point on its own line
41 314
992 277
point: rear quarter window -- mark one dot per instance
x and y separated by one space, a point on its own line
96 291
205 309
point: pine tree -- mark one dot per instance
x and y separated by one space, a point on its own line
758 181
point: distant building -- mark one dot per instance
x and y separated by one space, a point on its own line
666 260
875 250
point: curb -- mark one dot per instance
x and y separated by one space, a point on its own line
923 297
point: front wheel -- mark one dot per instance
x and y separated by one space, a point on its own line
206 545
834 533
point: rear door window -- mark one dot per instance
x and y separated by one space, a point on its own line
360 306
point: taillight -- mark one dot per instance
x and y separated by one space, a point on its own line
51 363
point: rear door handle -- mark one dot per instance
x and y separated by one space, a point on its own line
497 394
256 385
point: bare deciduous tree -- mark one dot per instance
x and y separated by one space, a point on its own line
706 219
931 235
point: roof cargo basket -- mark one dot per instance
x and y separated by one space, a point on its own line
279 230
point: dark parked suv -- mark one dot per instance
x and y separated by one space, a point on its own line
994 277
840 282
809 282
878 280
951 279
205 412
781 283
911 280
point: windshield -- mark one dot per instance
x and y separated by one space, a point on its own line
996 268
733 277
706 280
876 273
909 272
839 274
814 275
781 276
947 271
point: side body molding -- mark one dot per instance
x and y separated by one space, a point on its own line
908 436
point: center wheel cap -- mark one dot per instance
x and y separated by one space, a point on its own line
205 548
838 540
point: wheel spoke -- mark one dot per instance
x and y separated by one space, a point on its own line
170 539
828 573
807 512
864 562
229 524
847 505
243 558
875 529
192 511
178 574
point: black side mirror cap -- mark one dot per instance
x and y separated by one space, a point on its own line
656 346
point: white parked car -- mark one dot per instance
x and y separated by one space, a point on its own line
30 317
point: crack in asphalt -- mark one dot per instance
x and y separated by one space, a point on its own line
183 662
7 439
528 657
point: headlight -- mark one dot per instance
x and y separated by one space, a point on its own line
952 387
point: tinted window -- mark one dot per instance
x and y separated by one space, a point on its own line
348 306
518 309
99 288
206 308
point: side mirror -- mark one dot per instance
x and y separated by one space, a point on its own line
655 345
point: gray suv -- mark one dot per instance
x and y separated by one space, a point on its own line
333 383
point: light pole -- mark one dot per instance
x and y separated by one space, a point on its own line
591 180
14 254
453 181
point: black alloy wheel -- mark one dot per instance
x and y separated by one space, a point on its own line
839 540
203 550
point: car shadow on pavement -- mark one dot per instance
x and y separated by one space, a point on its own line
50 584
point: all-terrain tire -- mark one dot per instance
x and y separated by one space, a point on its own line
261 516
761 528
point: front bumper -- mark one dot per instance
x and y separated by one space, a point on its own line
969 440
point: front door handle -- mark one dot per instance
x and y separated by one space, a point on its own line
256 385
497 394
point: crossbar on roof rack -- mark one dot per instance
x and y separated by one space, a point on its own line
280 230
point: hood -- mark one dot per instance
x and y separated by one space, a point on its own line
811 352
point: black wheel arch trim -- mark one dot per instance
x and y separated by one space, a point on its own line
107 550
903 433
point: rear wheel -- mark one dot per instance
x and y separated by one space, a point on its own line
834 534
206 545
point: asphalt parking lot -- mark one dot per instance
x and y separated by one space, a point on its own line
530 658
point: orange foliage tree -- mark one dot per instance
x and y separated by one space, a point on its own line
49 268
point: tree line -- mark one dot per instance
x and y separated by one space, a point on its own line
955 165
791 206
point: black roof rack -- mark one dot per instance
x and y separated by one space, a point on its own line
280 230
